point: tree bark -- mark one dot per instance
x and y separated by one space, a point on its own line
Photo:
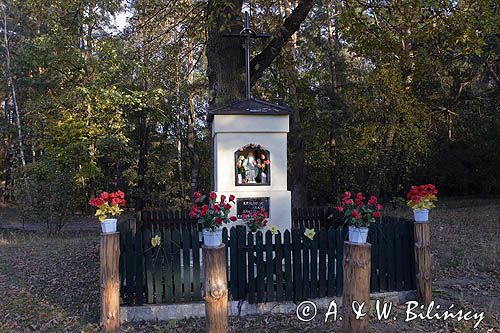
226 63
357 268
298 165
110 282
215 292
423 263
225 55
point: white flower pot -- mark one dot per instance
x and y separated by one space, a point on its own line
357 235
108 226
421 215
240 178
212 238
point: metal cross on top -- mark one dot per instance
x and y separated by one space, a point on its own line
247 33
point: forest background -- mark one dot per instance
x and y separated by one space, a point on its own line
387 94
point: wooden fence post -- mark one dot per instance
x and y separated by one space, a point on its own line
357 268
110 282
423 262
215 292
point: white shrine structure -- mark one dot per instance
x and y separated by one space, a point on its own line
249 155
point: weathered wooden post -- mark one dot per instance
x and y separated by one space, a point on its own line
423 262
110 282
357 268
215 292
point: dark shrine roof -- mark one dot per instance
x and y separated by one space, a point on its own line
249 106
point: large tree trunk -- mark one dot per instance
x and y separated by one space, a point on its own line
225 55
299 169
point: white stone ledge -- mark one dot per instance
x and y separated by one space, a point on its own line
241 308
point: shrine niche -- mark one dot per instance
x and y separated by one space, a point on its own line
252 165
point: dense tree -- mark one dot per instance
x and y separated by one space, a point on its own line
386 93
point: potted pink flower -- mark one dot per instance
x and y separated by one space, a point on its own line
359 214
108 204
212 213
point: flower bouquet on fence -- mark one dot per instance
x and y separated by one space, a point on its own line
108 204
212 214
359 214
421 200
255 221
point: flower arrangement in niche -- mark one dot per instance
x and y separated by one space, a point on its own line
358 212
108 204
211 212
255 221
422 197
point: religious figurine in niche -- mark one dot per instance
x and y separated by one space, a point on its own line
250 168
252 165
241 170
262 164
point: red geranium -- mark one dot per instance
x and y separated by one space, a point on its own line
422 197
108 204
213 214
358 212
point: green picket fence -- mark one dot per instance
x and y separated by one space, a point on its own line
261 267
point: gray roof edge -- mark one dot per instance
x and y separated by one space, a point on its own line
241 107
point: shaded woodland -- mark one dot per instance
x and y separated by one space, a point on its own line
386 93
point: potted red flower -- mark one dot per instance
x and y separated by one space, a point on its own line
212 214
255 221
421 199
108 204
359 215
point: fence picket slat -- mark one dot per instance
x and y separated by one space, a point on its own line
278 266
382 256
158 272
233 264
149 266
339 255
251 268
287 247
413 273
167 272
374 284
195 242
398 254
129 266
260 267
241 262
186 262
225 240
306 288
323 238
176 250
406 255
391 279
314 266
297 264
332 279
139 282
269 267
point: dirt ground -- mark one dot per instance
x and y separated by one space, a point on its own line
50 283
